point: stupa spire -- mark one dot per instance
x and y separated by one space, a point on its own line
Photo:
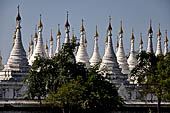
150 45
140 43
82 55
109 61
67 28
95 59
17 60
58 39
35 37
121 58
31 47
51 45
117 44
132 61
166 43
158 49
46 48
73 38
39 49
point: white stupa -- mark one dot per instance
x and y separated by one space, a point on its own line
39 49
132 61
141 44
17 64
82 55
95 59
150 45
158 48
166 44
51 46
121 58
109 63
58 40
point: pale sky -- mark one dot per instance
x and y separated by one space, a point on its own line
134 14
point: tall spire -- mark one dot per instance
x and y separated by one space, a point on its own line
31 47
17 60
140 43
67 28
132 61
73 38
51 45
117 44
85 40
58 39
159 49
150 45
109 61
39 49
166 43
121 58
46 48
35 37
95 59
82 55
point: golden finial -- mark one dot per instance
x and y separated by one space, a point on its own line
82 27
73 37
106 41
96 33
18 18
166 37
67 23
40 24
150 29
58 33
51 38
31 42
85 40
121 30
35 34
117 44
141 41
46 47
132 36
109 27
159 31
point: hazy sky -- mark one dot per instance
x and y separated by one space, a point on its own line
133 13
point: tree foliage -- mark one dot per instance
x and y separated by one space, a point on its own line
153 75
63 82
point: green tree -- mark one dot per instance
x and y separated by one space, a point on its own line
153 75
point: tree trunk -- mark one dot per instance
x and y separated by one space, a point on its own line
159 104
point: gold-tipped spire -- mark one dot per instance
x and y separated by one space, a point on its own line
132 36
106 41
121 30
31 42
67 23
40 24
166 37
141 41
117 44
51 37
109 27
18 18
73 37
46 46
82 27
58 32
96 33
150 29
35 34
85 40
159 31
